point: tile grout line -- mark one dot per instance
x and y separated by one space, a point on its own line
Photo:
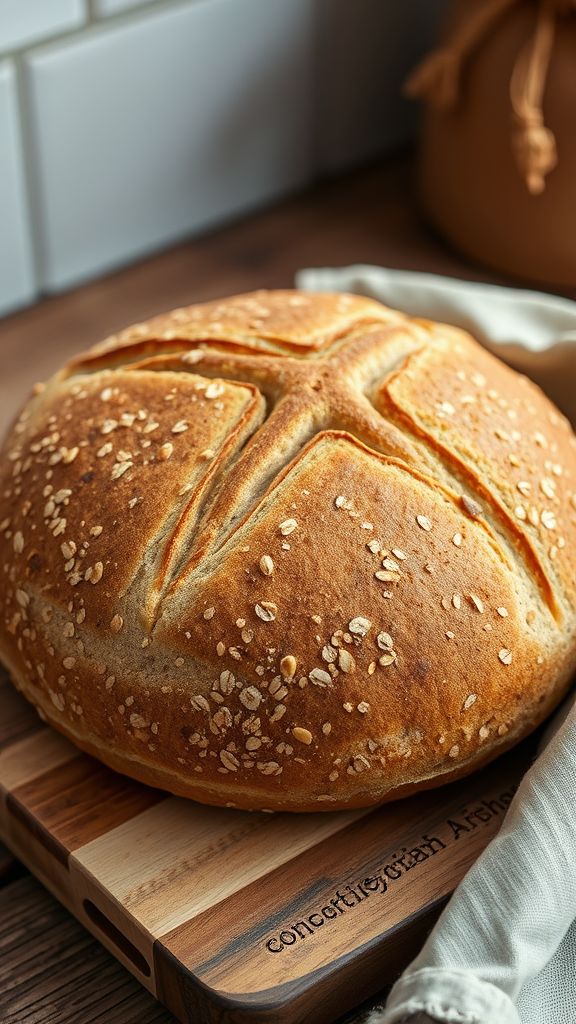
93 21
30 176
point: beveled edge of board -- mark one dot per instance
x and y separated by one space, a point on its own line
193 1001
366 969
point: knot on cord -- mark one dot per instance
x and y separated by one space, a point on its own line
437 80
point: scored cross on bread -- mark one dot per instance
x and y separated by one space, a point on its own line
289 551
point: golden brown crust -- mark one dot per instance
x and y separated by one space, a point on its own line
289 552
259 320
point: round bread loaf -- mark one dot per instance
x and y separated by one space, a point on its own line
289 551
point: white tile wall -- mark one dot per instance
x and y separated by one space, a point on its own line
147 120
152 129
17 285
23 22
104 8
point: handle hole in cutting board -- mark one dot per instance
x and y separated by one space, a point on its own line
113 934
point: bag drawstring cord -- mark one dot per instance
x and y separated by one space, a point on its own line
437 79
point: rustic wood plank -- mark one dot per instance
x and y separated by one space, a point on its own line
7 864
53 972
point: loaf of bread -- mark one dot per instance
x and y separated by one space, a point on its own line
289 552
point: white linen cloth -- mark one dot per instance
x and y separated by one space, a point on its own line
504 949
533 331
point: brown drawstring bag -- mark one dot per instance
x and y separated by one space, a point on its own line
497 166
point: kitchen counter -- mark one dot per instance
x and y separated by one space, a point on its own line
51 970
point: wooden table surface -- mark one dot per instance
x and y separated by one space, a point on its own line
51 970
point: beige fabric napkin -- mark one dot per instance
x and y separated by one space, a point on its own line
504 949
533 331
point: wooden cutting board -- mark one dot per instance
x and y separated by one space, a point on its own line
235 916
